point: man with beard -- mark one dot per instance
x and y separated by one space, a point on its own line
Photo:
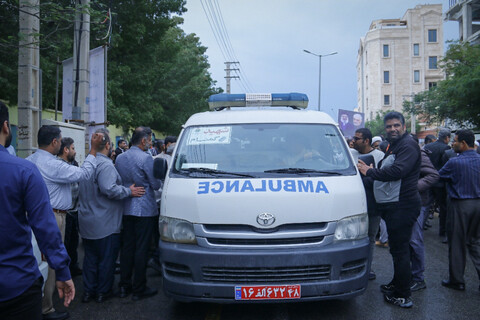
398 202
362 143
58 177
135 166
25 206
100 220
462 174
67 153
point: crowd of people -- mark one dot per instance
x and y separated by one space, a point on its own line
403 183
112 202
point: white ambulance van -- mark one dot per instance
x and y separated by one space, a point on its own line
262 203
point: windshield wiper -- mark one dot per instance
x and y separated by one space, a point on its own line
302 170
215 172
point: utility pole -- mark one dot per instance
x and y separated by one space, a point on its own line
28 77
228 76
81 60
81 49
412 115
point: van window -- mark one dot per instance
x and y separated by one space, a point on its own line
259 149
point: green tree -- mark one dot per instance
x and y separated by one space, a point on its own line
157 75
458 96
376 125
55 39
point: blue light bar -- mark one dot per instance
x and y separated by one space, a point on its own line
223 100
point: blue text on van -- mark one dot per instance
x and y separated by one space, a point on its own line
265 185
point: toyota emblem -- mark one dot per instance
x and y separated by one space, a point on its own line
265 219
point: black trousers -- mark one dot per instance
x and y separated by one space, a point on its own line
463 230
440 194
71 238
399 223
136 238
28 305
99 263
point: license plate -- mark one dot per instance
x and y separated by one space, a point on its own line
268 292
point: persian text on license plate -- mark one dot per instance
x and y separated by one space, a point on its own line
268 292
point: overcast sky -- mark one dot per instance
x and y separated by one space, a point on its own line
268 38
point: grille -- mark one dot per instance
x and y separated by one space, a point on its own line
258 242
270 275
352 268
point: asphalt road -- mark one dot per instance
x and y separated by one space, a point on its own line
435 302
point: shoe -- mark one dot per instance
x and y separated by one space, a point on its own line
372 275
87 297
428 224
388 288
76 271
445 240
124 292
56 315
397 301
418 285
153 263
102 297
455 286
148 292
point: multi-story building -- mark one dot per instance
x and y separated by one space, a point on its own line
398 58
467 13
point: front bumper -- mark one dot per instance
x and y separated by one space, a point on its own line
193 273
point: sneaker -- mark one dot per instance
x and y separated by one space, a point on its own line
387 288
418 285
397 301
372 275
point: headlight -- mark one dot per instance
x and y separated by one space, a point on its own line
176 230
352 228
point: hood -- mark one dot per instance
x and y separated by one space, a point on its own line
241 201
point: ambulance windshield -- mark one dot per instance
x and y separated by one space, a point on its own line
263 150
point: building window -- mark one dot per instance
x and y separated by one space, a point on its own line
386 76
432 85
416 76
386 52
416 49
432 62
432 35
386 99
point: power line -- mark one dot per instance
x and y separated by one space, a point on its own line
217 25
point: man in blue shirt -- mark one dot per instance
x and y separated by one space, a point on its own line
26 207
462 174
136 167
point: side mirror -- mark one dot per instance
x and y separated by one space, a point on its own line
160 167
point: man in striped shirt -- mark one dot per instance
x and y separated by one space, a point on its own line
462 175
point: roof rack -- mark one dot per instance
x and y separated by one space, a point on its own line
224 100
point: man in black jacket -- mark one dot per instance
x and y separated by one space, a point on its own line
398 202
437 150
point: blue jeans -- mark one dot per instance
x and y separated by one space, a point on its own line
417 247
99 263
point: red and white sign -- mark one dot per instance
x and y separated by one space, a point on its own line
268 292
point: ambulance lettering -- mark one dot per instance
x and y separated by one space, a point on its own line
248 186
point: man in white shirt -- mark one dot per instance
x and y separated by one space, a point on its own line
58 175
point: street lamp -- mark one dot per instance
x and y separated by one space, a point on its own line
320 71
